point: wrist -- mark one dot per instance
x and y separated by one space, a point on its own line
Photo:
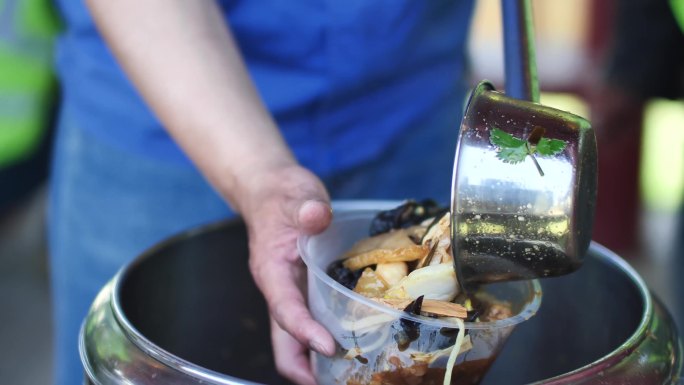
254 182
279 192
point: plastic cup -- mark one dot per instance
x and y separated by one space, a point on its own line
376 344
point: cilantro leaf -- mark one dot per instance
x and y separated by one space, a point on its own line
514 150
513 155
503 139
550 147
511 149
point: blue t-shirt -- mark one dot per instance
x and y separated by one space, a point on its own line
343 78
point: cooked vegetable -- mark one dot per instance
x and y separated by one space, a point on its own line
392 272
454 352
434 282
438 237
394 239
407 264
370 285
373 257
438 229
431 307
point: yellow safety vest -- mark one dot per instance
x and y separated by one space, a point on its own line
27 81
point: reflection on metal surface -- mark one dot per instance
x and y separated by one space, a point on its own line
535 227
509 222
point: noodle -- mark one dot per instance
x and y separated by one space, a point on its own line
454 352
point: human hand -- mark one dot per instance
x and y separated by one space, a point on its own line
278 206
218 118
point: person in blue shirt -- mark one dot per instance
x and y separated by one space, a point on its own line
173 108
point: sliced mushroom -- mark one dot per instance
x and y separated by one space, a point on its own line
374 257
394 239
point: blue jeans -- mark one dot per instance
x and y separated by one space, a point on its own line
108 205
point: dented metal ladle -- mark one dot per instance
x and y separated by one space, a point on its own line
518 209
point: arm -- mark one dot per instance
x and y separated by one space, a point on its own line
181 57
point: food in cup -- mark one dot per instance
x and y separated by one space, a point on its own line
406 264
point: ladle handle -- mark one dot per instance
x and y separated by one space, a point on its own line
521 65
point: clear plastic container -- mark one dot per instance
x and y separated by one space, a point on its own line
376 344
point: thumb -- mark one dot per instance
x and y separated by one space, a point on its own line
313 216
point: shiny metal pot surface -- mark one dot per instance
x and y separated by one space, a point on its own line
187 312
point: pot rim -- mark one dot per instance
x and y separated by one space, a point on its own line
149 347
630 344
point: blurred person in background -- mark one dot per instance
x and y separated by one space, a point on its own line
645 61
28 97
175 110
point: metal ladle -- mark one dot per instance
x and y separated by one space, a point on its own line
518 221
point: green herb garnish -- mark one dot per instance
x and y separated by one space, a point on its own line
514 150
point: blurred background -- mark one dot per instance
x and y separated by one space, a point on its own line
616 62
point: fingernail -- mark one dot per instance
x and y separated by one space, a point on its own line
312 217
307 204
318 347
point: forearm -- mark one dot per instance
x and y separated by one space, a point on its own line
182 59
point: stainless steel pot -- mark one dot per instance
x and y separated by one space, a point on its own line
187 312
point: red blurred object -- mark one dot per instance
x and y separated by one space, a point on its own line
617 118
618 203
